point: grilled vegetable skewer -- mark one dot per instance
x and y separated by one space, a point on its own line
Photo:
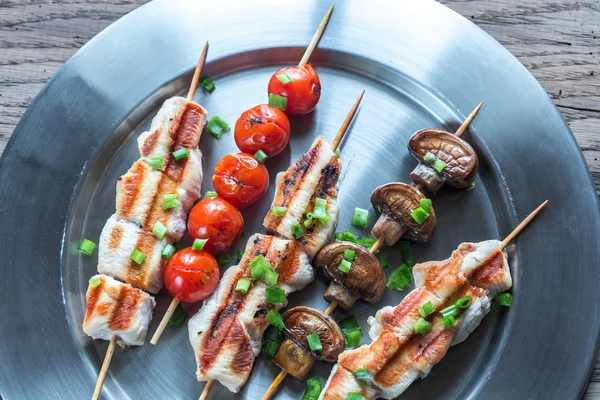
449 302
249 315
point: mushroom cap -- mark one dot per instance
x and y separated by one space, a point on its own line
460 158
396 200
366 277
303 321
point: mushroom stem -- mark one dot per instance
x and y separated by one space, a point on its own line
389 229
339 294
293 359
425 176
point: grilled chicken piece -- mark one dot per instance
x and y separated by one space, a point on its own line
397 357
226 333
117 241
179 123
115 308
140 196
313 175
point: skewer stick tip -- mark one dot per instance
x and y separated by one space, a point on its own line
468 121
197 72
316 37
206 391
164 321
347 121
104 370
522 225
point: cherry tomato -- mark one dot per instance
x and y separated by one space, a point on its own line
240 179
191 275
302 93
263 128
218 221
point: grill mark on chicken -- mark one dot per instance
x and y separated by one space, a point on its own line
130 186
116 235
188 130
124 310
156 212
489 271
150 143
137 273
92 299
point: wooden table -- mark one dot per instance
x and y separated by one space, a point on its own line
557 40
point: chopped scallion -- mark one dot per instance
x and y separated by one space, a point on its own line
297 230
137 256
94 281
419 215
448 321
168 251
170 201
504 299
346 236
159 230
242 285
439 165
87 247
429 158
425 204
349 324
345 266
271 277
239 255
406 253
362 374
384 261
464 302
313 389
198 244
261 156
179 315
224 259
275 319
278 101
210 193
258 266
353 339
275 295
156 162
452 310
284 78
400 278
355 396
366 242
181 153
421 327
271 347
337 152
360 218
207 84
278 211
349 255
426 309
314 342
320 211
217 126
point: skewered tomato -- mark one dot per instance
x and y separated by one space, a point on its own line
191 275
263 128
218 221
240 179
302 88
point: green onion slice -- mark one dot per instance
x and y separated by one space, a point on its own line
504 299
349 324
346 236
419 215
452 310
275 295
320 211
345 266
242 285
198 244
384 261
271 346
284 78
313 389
297 230
353 339
239 255
210 193
464 302
156 162
181 153
217 126
425 204
366 242
159 230
362 374
261 156
278 211
400 278
360 219
439 165
406 253
448 321
87 247
429 158
355 396
349 255
426 309
275 319
337 152
170 201
278 101
421 327
271 277
94 281
137 256
168 251
314 342
207 84
258 267
224 259
178 316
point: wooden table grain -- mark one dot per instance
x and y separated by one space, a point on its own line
558 41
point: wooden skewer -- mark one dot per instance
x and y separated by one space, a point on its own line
164 321
197 72
207 388
346 123
522 225
461 129
316 37
104 369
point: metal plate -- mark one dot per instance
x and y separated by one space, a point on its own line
422 65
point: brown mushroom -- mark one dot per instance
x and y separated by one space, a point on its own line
294 354
365 280
460 158
394 203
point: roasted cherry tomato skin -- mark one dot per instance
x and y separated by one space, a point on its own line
191 275
218 221
263 128
240 179
302 94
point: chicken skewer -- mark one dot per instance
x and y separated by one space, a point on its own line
373 279
300 246
127 310
400 352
